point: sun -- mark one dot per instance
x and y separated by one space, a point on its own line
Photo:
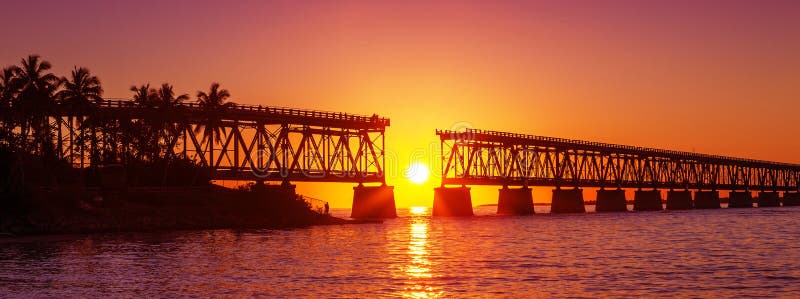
417 173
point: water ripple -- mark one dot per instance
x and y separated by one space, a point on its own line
715 253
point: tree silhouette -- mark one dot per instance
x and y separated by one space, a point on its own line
37 108
6 88
79 97
213 104
35 101
143 134
166 99
81 92
169 108
6 97
143 96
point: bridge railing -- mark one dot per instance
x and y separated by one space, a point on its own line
269 110
316 205
609 146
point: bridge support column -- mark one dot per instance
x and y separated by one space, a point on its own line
647 200
740 199
706 200
372 202
611 201
791 199
768 199
452 201
679 200
567 201
515 201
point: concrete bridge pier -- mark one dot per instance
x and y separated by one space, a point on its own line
740 199
515 201
611 201
567 201
791 199
452 201
706 199
649 200
679 200
768 199
373 202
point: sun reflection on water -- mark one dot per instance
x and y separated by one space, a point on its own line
418 267
418 270
418 211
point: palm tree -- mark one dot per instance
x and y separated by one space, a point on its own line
6 97
143 96
213 104
144 133
81 94
6 88
35 101
166 99
169 108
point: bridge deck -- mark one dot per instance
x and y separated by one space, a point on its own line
261 114
573 144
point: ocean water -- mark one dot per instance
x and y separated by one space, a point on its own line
747 253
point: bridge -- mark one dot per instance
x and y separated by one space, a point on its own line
264 143
258 143
480 157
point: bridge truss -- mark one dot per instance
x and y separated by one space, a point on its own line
256 142
479 157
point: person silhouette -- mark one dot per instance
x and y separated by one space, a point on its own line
327 208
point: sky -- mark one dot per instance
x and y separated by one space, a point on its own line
716 77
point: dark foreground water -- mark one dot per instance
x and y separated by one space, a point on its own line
711 253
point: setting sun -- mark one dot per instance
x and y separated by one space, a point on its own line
417 173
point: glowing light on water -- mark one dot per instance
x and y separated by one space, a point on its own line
418 210
418 269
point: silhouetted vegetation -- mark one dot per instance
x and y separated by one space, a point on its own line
117 172
32 99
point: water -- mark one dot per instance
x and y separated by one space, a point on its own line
700 253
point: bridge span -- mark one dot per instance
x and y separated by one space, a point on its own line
246 142
480 157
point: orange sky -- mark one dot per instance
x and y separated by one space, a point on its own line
708 76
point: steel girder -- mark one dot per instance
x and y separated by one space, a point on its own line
257 143
477 157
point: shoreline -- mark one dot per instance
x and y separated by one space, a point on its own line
91 210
